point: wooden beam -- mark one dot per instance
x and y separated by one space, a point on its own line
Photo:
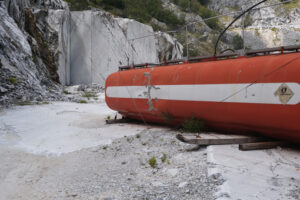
217 139
261 145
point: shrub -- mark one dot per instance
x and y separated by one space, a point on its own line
89 94
66 92
164 158
193 125
13 80
152 162
248 21
203 2
237 42
78 4
213 24
184 4
205 13
24 103
195 6
82 101
113 3
35 59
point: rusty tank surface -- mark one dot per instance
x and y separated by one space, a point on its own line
258 92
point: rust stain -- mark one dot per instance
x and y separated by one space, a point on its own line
147 93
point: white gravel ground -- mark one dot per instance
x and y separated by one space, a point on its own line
65 150
272 174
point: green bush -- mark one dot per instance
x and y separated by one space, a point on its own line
13 80
213 24
35 59
152 162
203 2
205 13
164 158
83 101
194 6
193 125
89 94
112 3
66 92
78 4
248 21
184 4
237 42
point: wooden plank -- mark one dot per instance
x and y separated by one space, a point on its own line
261 145
217 139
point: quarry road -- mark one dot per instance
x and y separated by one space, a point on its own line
64 150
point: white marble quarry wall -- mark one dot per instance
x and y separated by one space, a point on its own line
111 48
81 48
93 44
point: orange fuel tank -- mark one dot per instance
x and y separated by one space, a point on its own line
258 93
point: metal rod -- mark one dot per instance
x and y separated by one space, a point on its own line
187 42
244 48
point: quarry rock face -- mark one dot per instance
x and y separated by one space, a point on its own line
23 77
16 8
47 45
273 26
168 47
93 44
270 27
99 45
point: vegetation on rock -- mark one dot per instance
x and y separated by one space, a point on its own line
248 21
13 80
142 11
152 162
238 42
82 101
198 7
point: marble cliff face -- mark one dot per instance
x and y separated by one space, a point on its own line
46 46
